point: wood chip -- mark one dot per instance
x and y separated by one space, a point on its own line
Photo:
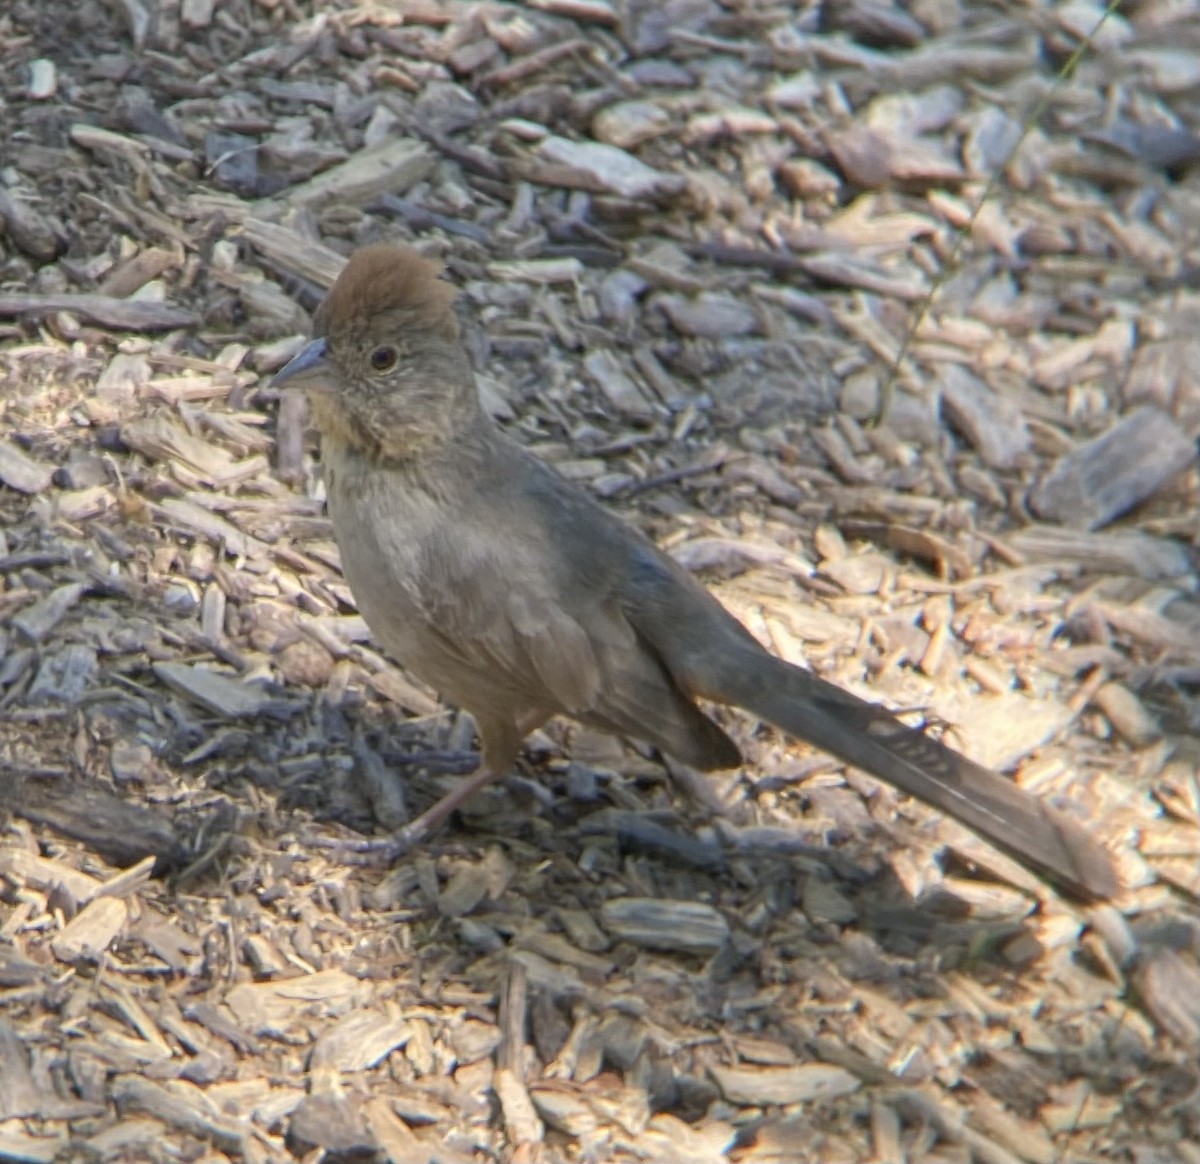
993 425
91 931
1109 475
181 1106
776 1085
1118 551
104 310
216 693
37 621
605 169
619 389
665 925
520 1115
538 271
390 168
1128 714
20 471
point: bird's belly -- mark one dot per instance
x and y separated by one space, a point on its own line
383 540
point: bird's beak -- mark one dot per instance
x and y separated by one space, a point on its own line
308 368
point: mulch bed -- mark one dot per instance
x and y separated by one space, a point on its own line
692 241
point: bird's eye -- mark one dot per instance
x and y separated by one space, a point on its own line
383 359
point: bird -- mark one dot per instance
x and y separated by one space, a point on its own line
519 597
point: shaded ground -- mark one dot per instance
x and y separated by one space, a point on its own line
598 963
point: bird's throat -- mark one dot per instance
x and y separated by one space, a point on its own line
393 443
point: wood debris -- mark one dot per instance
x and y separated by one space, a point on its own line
691 238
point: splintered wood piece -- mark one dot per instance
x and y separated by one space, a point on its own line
183 1107
219 694
772 1085
273 1006
665 925
162 439
992 423
121 831
105 310
390 168
360 1040
1108 476
190 517
90 932
520 1115
20 471
1117 551
618 387
603 169
38 620
43 873
292 252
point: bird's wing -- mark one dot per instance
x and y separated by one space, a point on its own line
552 628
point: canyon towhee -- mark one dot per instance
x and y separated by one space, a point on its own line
519 597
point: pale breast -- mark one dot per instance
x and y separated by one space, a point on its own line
380 530
407 560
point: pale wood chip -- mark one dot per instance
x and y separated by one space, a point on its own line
272 1006
1109 475
293 252
196 520
604 168
1078 1107
1024 1138
553 977
823 902
564 1110
628 124
520 1115
19 1092
1118 551
160 438
19 1146
128 1137
129 880
393 1135
104 310
537 271
618 387
20 471
219 694
45 873
360 1040
390 168
710 315
999 730
467 887
557 949
993 424
1128 715
776 1085
91 931
670 1140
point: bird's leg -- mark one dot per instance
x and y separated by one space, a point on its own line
384 850
501 741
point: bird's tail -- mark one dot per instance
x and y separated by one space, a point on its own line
869 737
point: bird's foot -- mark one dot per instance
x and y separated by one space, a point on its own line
374 850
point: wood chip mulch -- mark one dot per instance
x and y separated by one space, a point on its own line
690 237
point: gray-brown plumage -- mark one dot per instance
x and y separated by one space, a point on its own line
519 597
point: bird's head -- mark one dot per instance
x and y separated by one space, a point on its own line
386 371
